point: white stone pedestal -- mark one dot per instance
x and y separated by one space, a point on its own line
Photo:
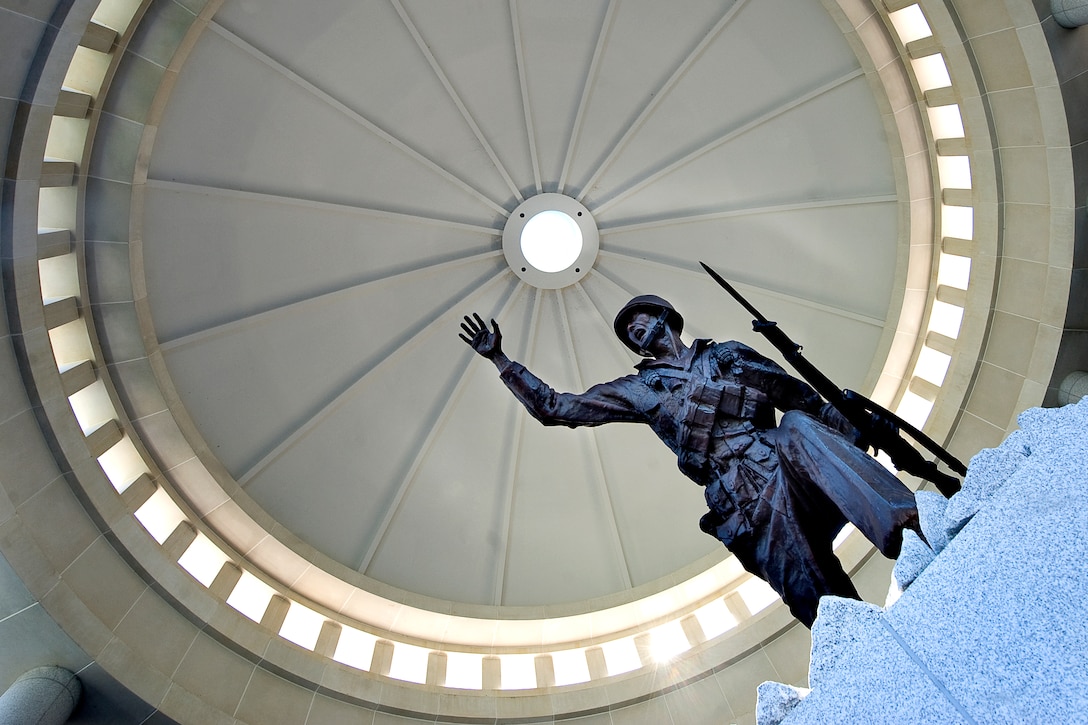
991 627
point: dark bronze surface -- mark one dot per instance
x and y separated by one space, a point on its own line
777 494
879 427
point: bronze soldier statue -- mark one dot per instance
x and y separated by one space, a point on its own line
778 494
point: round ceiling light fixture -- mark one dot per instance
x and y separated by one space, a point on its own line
550 241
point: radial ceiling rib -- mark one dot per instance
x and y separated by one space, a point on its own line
598 465
602 318
605 317
514 463
691 329
596 273
323 297
530 132
687 267
261 197
410 341
657 97
591 81
355 116
678 219
455 97
726 138
436 427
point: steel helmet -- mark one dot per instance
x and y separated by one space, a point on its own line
651 304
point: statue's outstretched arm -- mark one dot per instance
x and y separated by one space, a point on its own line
604 403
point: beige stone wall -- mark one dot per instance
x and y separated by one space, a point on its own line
1067 48
126 606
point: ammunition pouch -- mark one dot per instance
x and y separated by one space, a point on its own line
708 400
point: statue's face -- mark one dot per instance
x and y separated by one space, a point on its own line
640 326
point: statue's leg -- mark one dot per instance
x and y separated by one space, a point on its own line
867 494
790 548
800 568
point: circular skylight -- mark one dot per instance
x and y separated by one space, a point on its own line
551 241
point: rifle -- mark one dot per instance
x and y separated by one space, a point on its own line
879 427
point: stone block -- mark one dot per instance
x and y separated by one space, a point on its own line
739 680
987 471
931 510
189 708
31 637
103 581
98 37
789 653
31 465
55 505
219 675
159 432
912 561
651 712
109 275
996 629
14 596
704 697
144 686
137 388
108 204
20 37
774 701
136 82
1008 590
269 698
327 711
161 31
119 331
860 673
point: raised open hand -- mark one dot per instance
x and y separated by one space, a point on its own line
483 341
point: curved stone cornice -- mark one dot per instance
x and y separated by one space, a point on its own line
71 533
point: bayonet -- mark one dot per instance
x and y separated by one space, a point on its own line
879 427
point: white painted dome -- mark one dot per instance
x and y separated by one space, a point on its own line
318 219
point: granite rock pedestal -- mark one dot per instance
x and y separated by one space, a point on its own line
992 622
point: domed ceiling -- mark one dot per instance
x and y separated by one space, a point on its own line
238 244
326 198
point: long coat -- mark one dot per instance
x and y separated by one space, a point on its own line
777 494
